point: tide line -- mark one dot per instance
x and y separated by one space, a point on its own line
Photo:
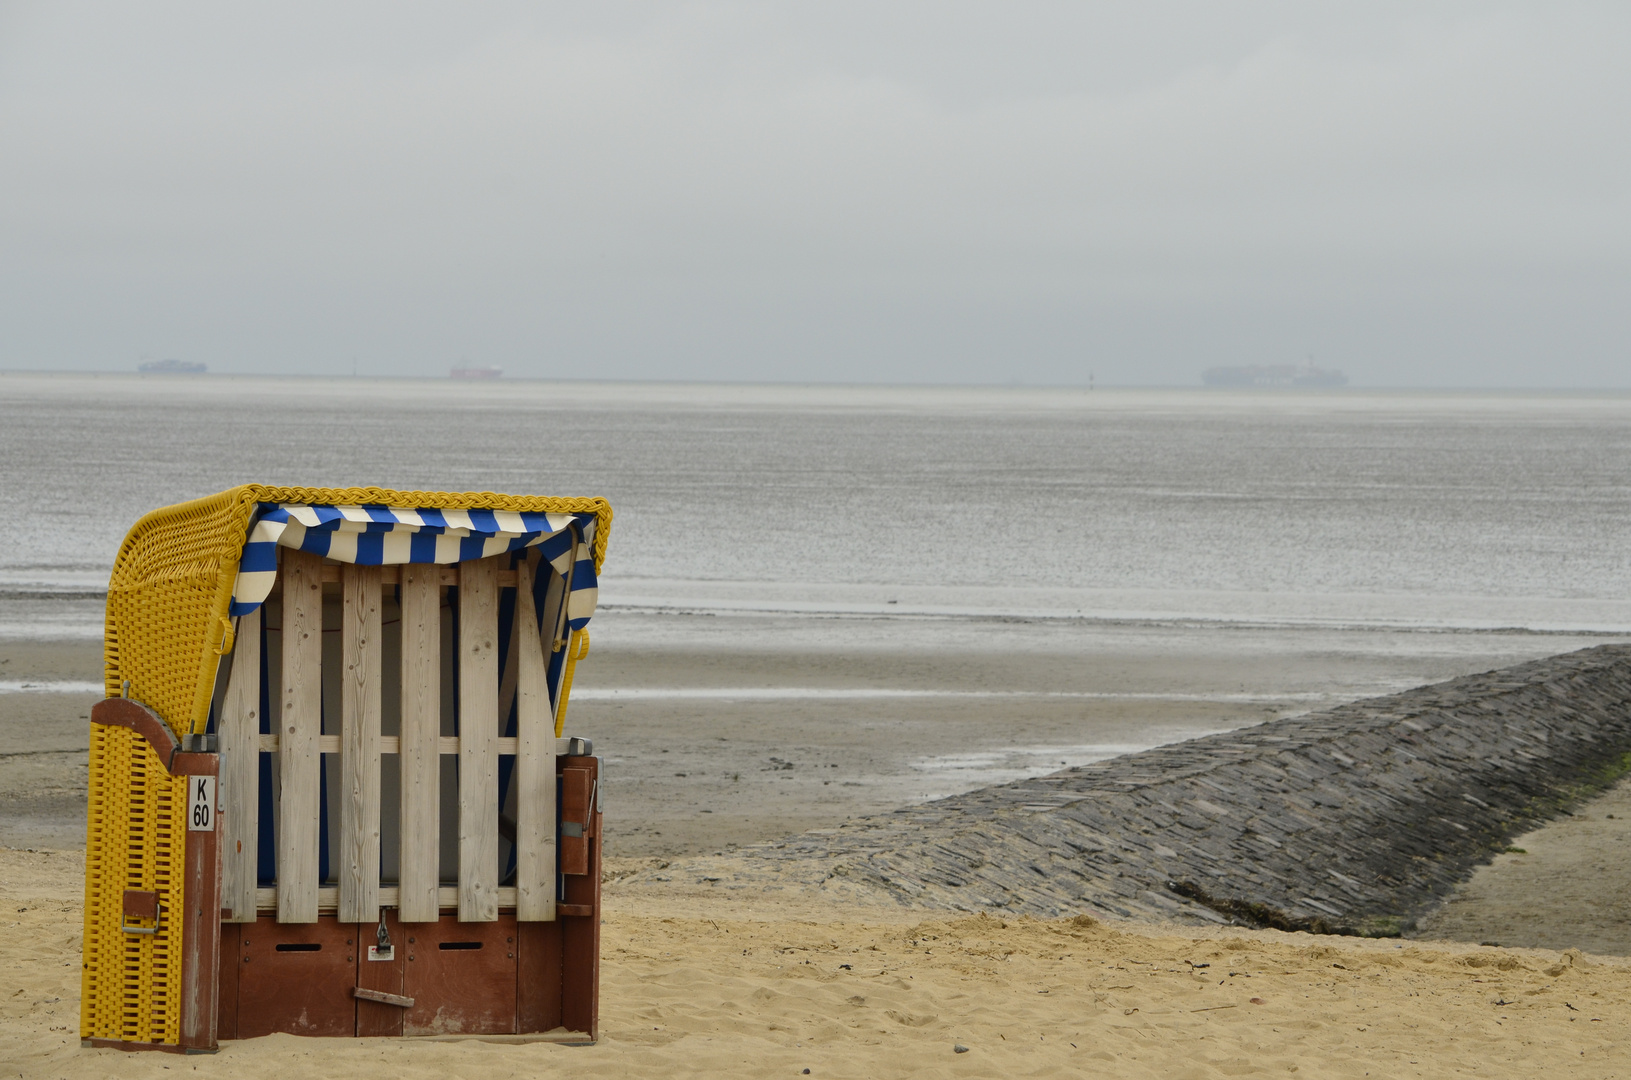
792 693
49 686
775 693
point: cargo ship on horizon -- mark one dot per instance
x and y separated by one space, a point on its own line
1273 375
171 367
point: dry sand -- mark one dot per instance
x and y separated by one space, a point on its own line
774 990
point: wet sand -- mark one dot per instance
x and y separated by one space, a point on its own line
1566 885
708 744
43 741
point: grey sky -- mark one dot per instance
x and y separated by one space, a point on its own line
1418 193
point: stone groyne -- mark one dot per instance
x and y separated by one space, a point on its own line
1355 819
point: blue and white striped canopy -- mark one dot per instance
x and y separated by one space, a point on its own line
387 536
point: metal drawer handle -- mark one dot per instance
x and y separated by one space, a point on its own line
158 920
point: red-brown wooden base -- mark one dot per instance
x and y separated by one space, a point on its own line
497 978
466 979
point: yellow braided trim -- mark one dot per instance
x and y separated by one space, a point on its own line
577 648
171 587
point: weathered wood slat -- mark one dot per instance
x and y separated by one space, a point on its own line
420 751
506 687
239 733
478 741
391 744
328 897
534 765
299 724
360 650
392 575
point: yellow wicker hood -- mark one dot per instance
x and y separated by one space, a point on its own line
167 624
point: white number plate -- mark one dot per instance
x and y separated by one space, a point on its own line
200 804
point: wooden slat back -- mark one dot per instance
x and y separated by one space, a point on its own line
534 765
299 725
360 651
298 743
478 741
238 736
419 747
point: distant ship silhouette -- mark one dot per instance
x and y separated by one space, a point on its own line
171 367
1273 375
487 372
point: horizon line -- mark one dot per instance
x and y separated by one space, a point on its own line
1085 387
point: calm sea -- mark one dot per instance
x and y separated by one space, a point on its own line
1330 509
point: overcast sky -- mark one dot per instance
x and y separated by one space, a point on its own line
1420 194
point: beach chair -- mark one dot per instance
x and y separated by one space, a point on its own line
329 792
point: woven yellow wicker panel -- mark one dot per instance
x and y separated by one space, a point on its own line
102 856
131 983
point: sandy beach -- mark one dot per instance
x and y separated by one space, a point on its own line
708 749
776 988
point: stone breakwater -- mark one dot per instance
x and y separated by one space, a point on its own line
1355 819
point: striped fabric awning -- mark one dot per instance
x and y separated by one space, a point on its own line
386 536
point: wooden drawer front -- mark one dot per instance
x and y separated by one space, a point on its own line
461 976
295 977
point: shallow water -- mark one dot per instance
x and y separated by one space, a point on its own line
1336 509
